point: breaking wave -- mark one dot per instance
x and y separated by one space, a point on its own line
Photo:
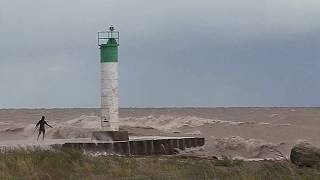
234 146
167 123
239 147
76 128
81 126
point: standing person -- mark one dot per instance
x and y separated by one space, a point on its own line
42 129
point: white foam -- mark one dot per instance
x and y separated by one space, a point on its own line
170 123
236 146
82 126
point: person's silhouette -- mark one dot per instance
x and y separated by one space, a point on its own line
42 129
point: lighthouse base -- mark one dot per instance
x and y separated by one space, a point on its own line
110 135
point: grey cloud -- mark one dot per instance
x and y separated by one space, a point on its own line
172 53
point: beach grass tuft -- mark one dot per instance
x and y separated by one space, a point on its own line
66 164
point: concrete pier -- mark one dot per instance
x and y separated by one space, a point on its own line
136 145
139 145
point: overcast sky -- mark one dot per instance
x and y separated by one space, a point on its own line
172 52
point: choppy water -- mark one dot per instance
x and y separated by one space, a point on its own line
234 132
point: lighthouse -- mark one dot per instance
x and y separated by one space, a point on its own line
108 42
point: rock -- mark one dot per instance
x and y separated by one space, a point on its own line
305 154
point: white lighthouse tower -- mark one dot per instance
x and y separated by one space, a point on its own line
108 42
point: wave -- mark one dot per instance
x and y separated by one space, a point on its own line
233 146
169 123
238 147
81 126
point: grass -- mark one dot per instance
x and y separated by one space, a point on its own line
75 165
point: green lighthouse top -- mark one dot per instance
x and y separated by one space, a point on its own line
108 42
109 37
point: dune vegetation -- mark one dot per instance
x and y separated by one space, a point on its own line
76 165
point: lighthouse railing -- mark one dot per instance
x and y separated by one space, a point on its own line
105 35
